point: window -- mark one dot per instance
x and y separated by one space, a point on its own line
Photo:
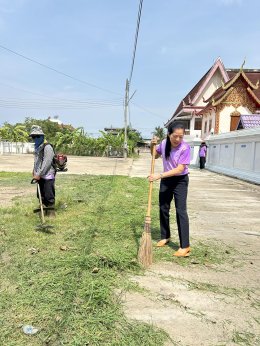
185 123
198 123
205 126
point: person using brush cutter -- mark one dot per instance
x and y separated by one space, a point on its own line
43 170
175 154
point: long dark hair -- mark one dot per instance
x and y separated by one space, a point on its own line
171 128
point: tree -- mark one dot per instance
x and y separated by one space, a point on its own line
133 137
49 128
14 133
159 132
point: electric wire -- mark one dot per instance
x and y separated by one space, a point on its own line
59 102
59 98
148 111
136 39
57 71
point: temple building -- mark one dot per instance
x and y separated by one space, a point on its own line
218 102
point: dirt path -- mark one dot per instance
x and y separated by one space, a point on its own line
215 304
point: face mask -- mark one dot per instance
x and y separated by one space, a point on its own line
38 141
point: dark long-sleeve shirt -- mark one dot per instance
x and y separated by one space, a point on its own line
43 157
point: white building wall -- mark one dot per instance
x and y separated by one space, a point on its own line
236 153
212 86
224 117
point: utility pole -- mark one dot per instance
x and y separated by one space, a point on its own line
126 111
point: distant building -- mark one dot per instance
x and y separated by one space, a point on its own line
216 102
116 130
55 119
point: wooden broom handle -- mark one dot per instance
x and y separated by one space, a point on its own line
151 183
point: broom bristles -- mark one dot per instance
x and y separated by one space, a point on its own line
145 255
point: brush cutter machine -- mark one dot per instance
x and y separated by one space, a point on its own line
44 227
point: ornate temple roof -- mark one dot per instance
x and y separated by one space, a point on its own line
250 77
187 103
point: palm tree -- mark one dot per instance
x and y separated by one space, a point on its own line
159 132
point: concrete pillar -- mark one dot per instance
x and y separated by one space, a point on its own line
253 157
192 123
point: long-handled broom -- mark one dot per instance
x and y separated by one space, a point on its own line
145 255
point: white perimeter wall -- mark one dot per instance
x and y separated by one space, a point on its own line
236 153
16 148
194 149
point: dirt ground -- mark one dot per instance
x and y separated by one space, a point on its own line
8 194
211 305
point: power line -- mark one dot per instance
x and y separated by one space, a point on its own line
120 100
62 102
20 105
148 111
55 98
136 39
57 71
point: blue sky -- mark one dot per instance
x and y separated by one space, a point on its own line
93 41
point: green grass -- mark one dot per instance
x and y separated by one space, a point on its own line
203 253
245 339
70 295
58 291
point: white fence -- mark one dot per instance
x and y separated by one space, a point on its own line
194 150
236 153
16 148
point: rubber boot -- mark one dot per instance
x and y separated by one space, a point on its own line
50 212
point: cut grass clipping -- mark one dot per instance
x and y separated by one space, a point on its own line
64 284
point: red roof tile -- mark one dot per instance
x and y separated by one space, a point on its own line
192 93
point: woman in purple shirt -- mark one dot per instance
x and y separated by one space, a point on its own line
175 154
203 154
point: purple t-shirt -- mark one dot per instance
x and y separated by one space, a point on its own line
178 155
203 151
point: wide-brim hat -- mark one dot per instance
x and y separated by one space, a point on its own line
36 130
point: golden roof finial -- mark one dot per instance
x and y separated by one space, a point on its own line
222 83
242 66
257 84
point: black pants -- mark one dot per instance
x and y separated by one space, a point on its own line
176 187
47 189
202 162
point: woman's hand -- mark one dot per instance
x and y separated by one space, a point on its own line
153 177
154 141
